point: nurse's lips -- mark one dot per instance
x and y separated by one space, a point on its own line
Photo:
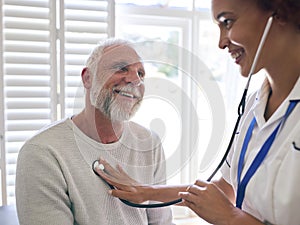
237 54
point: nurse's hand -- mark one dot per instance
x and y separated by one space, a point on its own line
126 187
209 202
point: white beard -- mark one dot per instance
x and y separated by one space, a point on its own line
111 106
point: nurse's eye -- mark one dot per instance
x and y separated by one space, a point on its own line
227 23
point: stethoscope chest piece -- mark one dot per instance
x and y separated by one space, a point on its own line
98 165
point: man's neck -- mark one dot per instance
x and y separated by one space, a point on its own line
108 131
98 127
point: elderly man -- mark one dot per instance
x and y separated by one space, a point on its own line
55 183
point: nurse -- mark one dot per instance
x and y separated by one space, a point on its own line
260 181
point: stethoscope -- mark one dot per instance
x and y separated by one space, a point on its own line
241 109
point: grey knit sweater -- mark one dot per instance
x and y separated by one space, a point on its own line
55 184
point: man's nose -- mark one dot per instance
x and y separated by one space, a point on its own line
133 77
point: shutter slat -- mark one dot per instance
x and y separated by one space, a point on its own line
86 27
74 82
98 5
88 38
36 3
27 92
19 35
75 60
26 12
82 49
87 16
28 114
26 125
30 24
26 70
28 103
32 81
19 136
33 48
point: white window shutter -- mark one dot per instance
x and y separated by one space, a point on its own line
27 63
85 24
44 50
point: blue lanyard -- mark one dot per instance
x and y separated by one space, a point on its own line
259 157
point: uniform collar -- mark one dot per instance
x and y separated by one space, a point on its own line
295 93
262 98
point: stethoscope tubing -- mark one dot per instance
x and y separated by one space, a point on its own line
241 109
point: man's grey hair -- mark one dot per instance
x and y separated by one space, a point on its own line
95 56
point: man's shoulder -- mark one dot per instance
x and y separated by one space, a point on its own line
53 130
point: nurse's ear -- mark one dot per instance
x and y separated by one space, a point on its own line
86 78
280 17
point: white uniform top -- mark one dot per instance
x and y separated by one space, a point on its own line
273 193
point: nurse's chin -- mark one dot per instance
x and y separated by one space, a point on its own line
245 72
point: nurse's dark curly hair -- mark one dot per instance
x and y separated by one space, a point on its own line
288 10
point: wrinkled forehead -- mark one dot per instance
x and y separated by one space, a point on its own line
119 54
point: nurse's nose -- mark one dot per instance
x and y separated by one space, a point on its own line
223 40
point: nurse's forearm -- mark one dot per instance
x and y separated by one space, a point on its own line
164 193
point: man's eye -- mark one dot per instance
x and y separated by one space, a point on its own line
141 74
119 67
123 69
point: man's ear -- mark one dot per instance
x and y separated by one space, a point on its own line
86 78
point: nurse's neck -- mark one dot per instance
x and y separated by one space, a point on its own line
280 89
